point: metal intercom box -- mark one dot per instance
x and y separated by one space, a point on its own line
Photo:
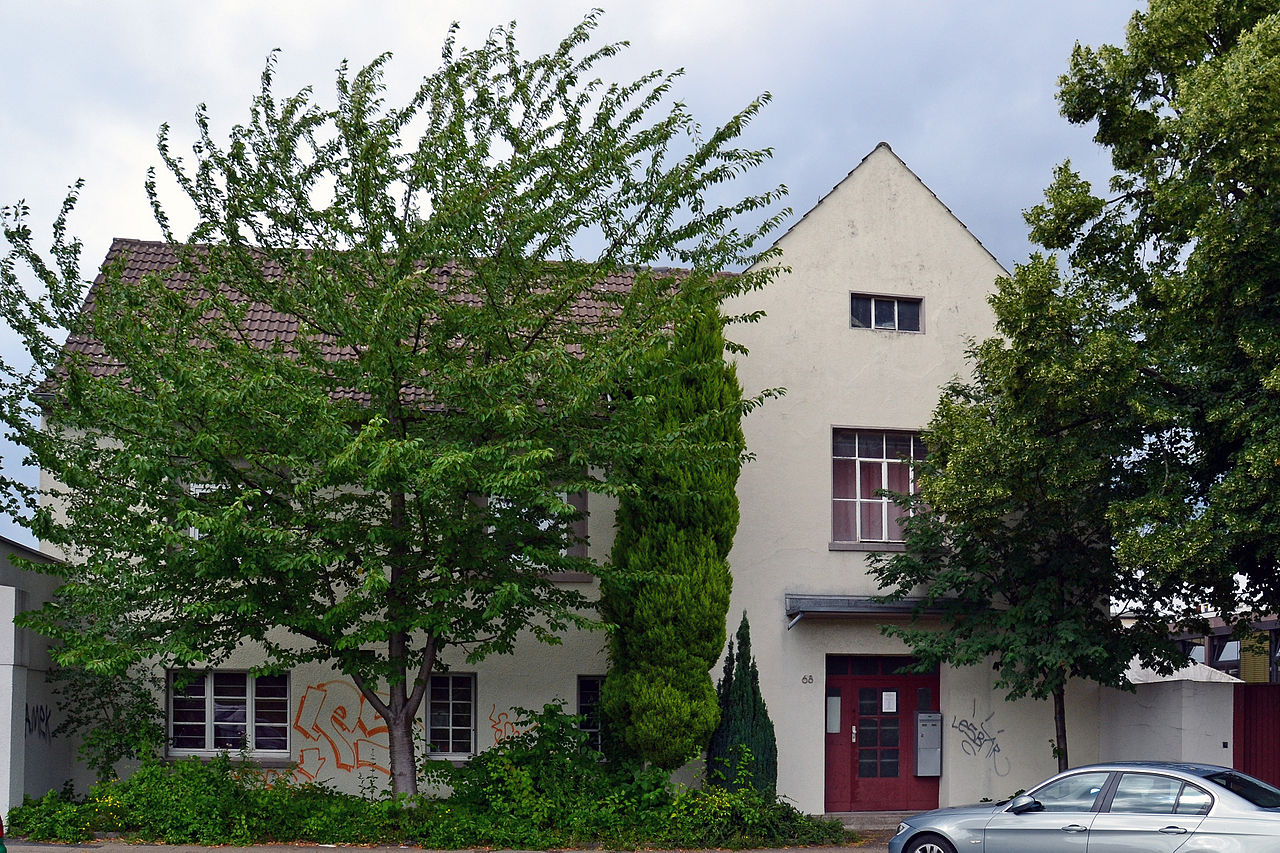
928 743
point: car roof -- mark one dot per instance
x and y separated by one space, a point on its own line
1192 768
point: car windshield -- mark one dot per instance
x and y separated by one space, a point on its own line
1255 791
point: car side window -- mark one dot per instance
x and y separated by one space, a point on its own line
1075 793
1146 793
1194 801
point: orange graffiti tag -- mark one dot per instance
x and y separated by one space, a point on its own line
503 726
340 726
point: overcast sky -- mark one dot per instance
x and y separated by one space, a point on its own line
962 91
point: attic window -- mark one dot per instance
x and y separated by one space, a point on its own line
890 313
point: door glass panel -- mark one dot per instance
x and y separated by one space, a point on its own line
868 701
868 763
889 763
889 732
869 732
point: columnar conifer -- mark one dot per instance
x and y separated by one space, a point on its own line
744 739
671 592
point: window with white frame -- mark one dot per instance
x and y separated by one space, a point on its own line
890 313
451 718
863 464
215 711
589 687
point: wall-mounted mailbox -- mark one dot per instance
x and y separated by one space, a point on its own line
928 744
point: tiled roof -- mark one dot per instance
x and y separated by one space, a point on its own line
265 326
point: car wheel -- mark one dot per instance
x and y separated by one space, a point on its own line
930 844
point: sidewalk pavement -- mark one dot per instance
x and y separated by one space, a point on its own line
877 842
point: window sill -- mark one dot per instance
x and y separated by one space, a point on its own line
887 547
274 761
570 577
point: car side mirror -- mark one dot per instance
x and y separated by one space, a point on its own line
1024 803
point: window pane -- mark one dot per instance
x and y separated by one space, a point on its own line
271 737
228 737
908 315
897 445
860 312
899 477
230 684
871 514
884 313
868 701
871 479
191 688
889 763
889 731
1145 793
871 445
1075 793
868 763
1194 801
897 517
188 737
844 478
271 686
843 521
868 731
844 442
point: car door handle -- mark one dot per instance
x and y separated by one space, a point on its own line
1174 830
1075 827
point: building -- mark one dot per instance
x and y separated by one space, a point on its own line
32 760
885 289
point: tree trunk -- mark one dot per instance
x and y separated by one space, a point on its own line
1060 726
404 771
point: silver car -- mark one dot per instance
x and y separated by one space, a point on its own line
1147 806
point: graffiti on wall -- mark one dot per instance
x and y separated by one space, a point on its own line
503 725
341 732
979 741
39 722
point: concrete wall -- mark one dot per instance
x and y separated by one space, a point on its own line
32 760
1169 721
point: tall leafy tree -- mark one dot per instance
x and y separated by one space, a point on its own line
1115 454
1010 551
381 480
744 742
669 600
1189 235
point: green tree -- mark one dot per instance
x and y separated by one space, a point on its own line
1010 552
112 717
669 599
1189 238
744 740
384 482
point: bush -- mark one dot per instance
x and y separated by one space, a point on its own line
544 788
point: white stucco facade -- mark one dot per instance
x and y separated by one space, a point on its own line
881 231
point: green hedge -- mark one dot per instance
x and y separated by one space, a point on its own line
540 789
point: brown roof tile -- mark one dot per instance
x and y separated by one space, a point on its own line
264 325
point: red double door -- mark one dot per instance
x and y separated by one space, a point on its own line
871 735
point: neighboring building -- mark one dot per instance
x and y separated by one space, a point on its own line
32 760
885 290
